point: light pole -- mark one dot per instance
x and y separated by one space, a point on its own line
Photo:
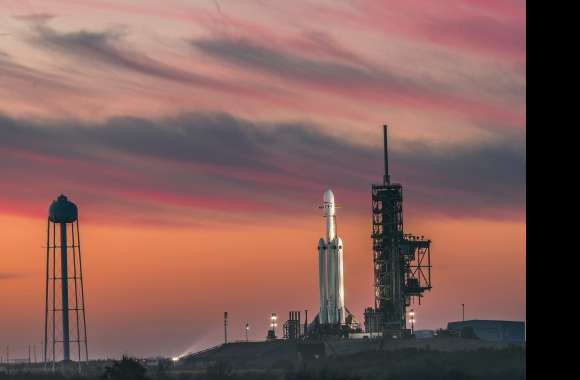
412 320
225 327
247 328
274 323
463 312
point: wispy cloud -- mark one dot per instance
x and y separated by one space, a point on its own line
109 48
484 33
10 276
346 62
333 73
250 55
15 75
494 29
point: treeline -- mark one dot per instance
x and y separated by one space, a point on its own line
409 364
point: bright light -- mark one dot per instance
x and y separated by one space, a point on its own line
175 358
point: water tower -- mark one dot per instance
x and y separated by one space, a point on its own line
64 319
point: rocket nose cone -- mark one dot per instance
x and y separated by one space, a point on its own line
328 196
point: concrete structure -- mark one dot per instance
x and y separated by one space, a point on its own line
330 266
492 331
364 335
424 334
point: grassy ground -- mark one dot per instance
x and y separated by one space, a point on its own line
405 364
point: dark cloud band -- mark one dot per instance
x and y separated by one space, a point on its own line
253 161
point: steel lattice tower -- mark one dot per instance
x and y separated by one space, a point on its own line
401 262
60 274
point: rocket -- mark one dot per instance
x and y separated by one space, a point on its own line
330 267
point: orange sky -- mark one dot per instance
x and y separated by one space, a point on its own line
159 290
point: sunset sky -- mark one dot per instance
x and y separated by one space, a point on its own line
197 138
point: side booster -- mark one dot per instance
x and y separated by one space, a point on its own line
330 267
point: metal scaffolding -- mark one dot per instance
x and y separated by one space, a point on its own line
402 262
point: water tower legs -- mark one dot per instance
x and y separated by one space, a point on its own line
64 289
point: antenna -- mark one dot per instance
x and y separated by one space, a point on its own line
386 178
225 327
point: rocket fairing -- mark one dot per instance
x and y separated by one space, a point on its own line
330 267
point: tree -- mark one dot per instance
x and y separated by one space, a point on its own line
125 369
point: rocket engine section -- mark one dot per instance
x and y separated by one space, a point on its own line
330 265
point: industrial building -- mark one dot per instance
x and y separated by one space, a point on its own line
490 330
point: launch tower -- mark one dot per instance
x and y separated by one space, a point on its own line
401 262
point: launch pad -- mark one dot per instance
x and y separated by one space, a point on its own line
401 269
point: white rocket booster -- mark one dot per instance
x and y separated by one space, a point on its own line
330 267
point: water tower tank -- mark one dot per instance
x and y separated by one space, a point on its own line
62 210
